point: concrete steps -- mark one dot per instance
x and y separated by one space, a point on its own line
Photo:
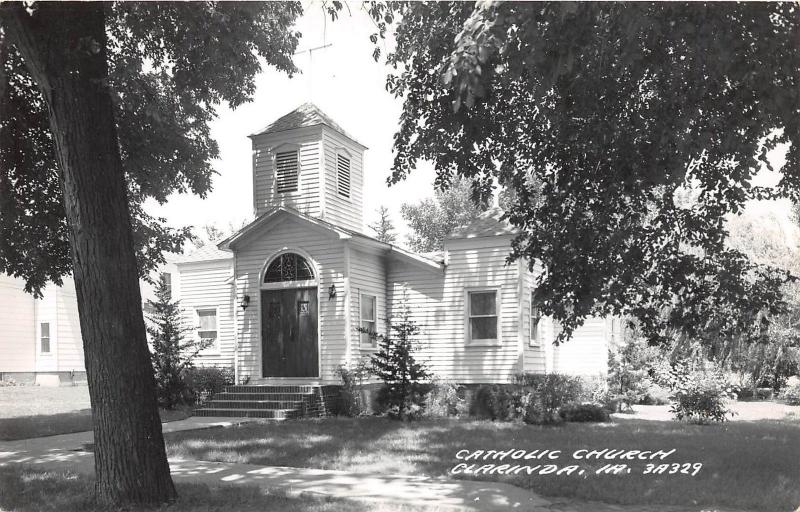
261 401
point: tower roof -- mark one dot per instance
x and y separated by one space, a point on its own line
305 115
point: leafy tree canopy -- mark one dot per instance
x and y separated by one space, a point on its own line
171 65
611 110
431 220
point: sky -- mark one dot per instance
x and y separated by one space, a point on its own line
347 84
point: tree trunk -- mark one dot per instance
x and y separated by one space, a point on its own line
64 46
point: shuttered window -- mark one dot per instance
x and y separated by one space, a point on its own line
286 167
343 167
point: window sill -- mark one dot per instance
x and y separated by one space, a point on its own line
368 348
483 343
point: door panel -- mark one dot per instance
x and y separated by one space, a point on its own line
289 333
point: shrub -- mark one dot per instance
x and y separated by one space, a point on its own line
703 397
502 402
205 381
583 413
484 404
404 389
351 398
444 399
4 383
655 395
791 394
171 352
541 396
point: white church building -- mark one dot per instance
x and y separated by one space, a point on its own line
284 297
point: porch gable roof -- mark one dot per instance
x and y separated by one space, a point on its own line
274 214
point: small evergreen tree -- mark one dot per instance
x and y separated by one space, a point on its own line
383 227
404 379
171 351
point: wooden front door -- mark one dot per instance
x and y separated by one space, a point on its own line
289 333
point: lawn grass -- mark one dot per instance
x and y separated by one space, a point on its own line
27 490
746 464
39 411
17 401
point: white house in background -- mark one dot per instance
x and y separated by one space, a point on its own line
283 297
41 338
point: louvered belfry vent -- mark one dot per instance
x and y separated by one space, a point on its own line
343 166
286 166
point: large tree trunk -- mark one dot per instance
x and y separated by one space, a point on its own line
64 46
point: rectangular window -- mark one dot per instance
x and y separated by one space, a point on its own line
343 167
482 314
368 315
207 326
45 337
286 171
167 277
536 317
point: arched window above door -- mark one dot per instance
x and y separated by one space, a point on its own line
288 266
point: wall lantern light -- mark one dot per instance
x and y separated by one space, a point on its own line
245 302
332 292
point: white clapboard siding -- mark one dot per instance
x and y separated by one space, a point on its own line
70 341
437 303
586 352
327 255
343 211
307 143
367 276
17 335
205 285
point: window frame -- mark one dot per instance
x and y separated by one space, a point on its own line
342 153
168 282
482 342
276 152
534 330
370 344
49 337
214 348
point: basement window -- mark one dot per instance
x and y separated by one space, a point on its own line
286 166
343 174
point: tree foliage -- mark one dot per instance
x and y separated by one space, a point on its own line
431 220
383 227
404 378
611 110
170 66
172 351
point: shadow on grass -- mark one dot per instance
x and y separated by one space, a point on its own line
750 465
27 490
24 427
42 425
